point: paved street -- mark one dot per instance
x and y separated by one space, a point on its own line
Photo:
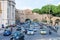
36 36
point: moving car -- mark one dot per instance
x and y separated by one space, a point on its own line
7 33
30 32
17 36
22 29
34 29
43 32
18 29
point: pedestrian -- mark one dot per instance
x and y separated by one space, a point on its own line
2 25
49 32
25 31
11 29
11 38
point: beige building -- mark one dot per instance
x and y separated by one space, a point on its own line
27 14
7 12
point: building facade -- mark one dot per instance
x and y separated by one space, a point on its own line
22 15
7 12
27 14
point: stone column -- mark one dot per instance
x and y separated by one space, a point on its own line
53 22
0 9
48 21
59 23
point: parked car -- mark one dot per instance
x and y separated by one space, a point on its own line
7 33
17 36
30 32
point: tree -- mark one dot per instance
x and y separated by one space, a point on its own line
45 9
51 9
54 10
36 10
48 9
58 8
58 11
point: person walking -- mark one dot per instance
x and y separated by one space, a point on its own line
11 28
50 32
2 25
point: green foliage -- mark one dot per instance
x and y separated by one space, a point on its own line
58 8
36 10
45 9
48 9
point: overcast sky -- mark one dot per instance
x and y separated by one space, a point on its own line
31 4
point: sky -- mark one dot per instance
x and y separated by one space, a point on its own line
31 4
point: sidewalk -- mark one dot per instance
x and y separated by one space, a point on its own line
1 30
